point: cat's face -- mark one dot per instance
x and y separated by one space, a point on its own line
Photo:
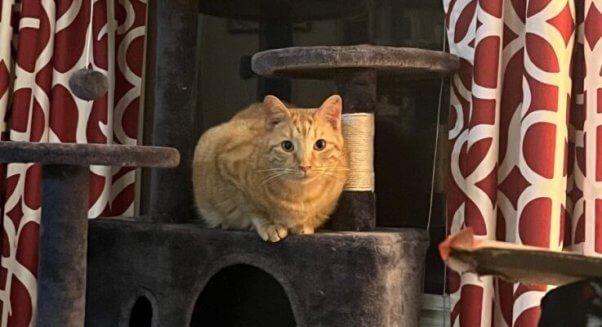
304 145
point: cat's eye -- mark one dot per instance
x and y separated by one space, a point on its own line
320 145
287 146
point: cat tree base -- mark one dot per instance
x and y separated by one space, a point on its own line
330 279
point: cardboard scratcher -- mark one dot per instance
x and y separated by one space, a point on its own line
516 263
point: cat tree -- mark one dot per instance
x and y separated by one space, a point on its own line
338 278
64 223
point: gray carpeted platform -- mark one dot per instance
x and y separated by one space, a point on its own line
330 278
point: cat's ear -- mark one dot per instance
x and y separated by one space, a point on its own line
331 110
275 111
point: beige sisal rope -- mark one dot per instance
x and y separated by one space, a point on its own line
358 132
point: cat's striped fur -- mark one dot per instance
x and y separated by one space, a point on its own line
245 175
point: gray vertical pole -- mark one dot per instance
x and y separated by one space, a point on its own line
63 246
171 95
357 209
275 34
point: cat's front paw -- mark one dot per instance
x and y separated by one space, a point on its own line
272 233
301 229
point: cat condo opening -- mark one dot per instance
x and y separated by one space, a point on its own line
140 314
243 295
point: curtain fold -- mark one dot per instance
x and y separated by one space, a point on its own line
43 42
525 139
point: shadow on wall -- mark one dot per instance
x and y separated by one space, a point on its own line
243 295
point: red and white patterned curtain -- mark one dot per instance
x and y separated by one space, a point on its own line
526 140
43 42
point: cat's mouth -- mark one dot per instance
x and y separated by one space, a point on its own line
306 176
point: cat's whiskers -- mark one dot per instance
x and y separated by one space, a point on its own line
328 173
331 168
331 171
267 170
274 176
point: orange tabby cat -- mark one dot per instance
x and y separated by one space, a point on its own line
272 169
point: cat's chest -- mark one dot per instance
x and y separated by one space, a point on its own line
292 211
298 200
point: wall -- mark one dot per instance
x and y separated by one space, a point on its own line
224 92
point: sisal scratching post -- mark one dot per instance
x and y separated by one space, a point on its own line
358 132
357 208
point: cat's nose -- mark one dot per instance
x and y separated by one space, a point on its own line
304 168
